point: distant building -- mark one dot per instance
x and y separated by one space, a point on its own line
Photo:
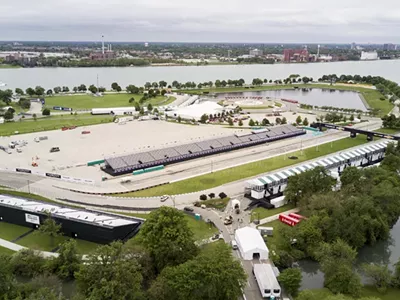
370 55
256 52
389 47
22 58
353 46
297 55
102 56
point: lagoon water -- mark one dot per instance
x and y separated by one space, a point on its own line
52 77
319 97
384 252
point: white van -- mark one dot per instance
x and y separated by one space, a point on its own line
234 245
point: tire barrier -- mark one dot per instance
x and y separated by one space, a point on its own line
107 206
117 193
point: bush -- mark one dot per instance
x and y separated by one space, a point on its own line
211 195
46 112
27 263
203 197
222 195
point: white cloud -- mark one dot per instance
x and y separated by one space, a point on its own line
207 20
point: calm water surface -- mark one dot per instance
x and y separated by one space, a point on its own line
51 77
319 97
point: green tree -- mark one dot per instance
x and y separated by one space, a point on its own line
141 112
30 91
50 228
179 119
251 122
214 274
118 89
380 276
75 89
101 89
336 261
204 118
68 260
284 121
27 263
93 88
131 89
137 106
114 86
240 122
298 120
57 90
162 84
351 119
230 121
6 276
82 88
155 111
19 91
9 115
305 122
46 112
147 85
278 121
110 274
34 117
39 91
49 92
149 107
308 183
167 237
131 100
65 89
291 280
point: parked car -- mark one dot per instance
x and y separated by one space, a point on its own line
188 209
234 245
54 149
164 198
293 157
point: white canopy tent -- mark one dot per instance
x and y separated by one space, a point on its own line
251 244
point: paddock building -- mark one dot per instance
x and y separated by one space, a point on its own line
137 161
94 226
273 185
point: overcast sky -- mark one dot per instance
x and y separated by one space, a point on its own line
263 21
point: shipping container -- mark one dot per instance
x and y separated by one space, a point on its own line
288 220
296 216
156 168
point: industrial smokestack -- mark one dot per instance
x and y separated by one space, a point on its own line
102 44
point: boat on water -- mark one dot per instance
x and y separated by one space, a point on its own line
2 84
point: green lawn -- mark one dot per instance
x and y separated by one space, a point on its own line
261 212
39 241
10 232
370 95
108 100
51 123
201 229
6 251
367 291
7 66
216 203
218 178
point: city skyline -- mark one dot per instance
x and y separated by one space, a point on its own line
253 21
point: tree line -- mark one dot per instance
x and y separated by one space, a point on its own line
342 220
162 262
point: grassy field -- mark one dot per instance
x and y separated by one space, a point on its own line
7 66
216 203
77 102
43 242
367 291
218 178
371 96
10 232
51 123
261 212
201 229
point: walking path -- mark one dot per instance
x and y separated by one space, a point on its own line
16 247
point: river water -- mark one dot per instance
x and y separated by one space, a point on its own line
319 97
384 252
51 77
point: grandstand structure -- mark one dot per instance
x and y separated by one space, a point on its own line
136 161
90 225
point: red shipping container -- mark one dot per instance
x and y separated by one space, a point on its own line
297 216
288 220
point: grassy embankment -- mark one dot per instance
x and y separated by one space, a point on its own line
371 96
7 66
218 178
81 102
261 213
51 123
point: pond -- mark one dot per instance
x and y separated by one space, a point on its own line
319 97
384 252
